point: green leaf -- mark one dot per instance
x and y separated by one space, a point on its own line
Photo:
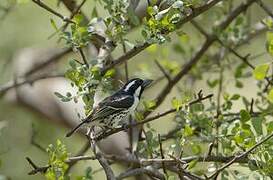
188 131
73 64
94 13
196 148
133 17
79 19
176 104
149 105
151 11
239 21
269 127
152 48
269 43
110 73
245 116
235 97
53 24
260 71
57 157
270 95
257 124
212 83
239 84
58 95
192 164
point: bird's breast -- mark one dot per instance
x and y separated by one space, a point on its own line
133 107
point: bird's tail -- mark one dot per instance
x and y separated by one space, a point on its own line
77 127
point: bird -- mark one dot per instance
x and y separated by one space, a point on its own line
112 110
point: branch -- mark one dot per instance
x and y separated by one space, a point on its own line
265 8
49 60
107 169
11 84
36 169
143 170
81 152
167 161
241 156
162 70
103 162
44 6
74 10
83 57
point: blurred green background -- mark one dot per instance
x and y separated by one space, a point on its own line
27 25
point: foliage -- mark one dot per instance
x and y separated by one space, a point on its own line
57 166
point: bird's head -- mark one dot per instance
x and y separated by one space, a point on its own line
136 86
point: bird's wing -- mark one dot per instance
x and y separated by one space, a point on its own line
112 105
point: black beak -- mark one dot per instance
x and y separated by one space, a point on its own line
146 83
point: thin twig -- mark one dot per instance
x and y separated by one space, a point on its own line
36 169
162 70
142 170
265 8
162 154
9 85
44 6
83 57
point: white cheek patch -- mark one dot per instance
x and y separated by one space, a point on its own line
137 92
129 85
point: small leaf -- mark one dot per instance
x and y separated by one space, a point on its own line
269 43
192 164
260 71
53 24
152 48
110 73
257 124
188 131
245 116
235 97
212 83
176 103
59 95
270 95
94 13
269 127
239 21
239 84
